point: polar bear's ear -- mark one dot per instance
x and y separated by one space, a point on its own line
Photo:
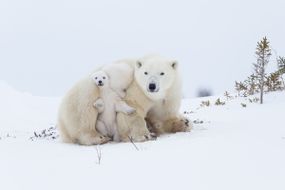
138 64
174 64
93 76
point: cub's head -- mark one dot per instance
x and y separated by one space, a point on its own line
100 78
155 76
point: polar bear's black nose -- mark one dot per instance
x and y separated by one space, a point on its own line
152 87
100 82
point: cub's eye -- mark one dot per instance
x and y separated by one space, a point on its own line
96 78
162 73
104 77
146 73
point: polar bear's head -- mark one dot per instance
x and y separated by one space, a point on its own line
155 76
100 78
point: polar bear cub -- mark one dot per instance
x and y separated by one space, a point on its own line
110 101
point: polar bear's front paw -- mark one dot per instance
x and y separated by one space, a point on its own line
151 136
187 123
182 125
143 138
92 139
104 139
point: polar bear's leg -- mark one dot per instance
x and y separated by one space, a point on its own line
132 128
164 117
170 124
154 126
122 106
63 132
87 134
116 136
101 127
175 124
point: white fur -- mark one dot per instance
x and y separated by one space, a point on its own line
110 102
159 107
77 116
158 71
120 76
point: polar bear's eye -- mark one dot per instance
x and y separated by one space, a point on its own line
96 78
146 73
162 73
104 77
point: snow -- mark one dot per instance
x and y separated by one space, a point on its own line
234 148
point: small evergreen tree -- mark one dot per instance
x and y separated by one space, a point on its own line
219 102
241 88
252 84
263 53
260 81
273 82
281 68
227 95
281 65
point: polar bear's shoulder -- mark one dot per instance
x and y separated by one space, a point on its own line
119 68
120 73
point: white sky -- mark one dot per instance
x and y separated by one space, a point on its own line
47 45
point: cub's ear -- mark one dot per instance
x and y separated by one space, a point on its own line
92 77
138 64
174 64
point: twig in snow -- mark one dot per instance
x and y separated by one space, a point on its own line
99 154
131 140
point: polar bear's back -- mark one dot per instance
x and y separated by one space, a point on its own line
120 74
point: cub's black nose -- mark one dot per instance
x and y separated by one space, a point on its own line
152 87
100 82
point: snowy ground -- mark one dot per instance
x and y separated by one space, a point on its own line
234 147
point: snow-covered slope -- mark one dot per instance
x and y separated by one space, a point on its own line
23 112
230 147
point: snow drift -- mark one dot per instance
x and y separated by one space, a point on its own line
230 147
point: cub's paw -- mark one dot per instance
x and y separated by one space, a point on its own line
99 105
131 111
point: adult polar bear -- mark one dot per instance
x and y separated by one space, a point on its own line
155 93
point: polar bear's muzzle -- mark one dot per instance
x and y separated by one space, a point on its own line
100 83
153 85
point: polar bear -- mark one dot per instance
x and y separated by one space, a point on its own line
77 116
155 93
109 104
